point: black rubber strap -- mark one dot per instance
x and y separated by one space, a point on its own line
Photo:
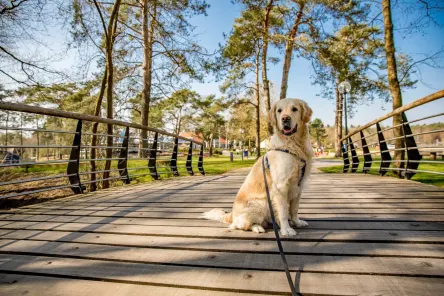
276 232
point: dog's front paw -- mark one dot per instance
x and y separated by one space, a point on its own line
257 228
288 231
299 223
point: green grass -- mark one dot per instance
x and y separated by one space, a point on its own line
212 166
426 178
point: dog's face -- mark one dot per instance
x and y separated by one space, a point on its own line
289 115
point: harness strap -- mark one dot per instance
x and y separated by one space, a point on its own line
302 174
276 232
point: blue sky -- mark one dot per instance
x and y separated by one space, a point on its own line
222 14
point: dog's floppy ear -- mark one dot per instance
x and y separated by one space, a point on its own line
272 115
306 112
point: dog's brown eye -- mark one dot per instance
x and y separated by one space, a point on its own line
279 110
295 109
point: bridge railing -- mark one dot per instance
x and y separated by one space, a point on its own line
56 147
372 146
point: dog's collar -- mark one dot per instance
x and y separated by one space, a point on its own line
301 177
295 129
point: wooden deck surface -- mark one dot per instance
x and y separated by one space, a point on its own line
368 235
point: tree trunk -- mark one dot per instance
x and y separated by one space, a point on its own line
179 122
93 185
395 89
265 28
258 110
210 146
148 39
37 153
289 51
338 124
109 90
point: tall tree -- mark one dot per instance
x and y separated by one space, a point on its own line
394 85
305 19
149 19
170 54
87 17
265 82
262 19
242 53
177 106
289 46
317 131
208 118
110 34
348 55
241 124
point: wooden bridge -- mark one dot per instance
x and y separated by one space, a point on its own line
368 235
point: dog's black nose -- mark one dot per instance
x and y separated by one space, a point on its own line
286 118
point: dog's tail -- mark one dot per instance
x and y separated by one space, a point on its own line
218 215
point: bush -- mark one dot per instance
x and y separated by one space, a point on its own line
217 151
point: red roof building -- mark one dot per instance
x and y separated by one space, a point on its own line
191 136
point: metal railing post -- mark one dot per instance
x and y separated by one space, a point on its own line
74 161
190 159
385 154
411 149
367 157
152 163
345 156
122 165
173 162
355 159
200 162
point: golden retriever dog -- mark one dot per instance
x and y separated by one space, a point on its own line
288 165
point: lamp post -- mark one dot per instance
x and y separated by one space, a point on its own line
344 87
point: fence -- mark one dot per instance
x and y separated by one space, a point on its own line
408 144
64 151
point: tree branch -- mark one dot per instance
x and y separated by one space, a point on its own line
102 20
12 7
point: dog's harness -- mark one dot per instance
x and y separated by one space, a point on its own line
301 175
266 164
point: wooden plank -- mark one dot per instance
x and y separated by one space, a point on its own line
314 224
212 232
172 215
229 201
355 196
378 249
223 279
227 206
198 211
249 261
32 285
362 239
